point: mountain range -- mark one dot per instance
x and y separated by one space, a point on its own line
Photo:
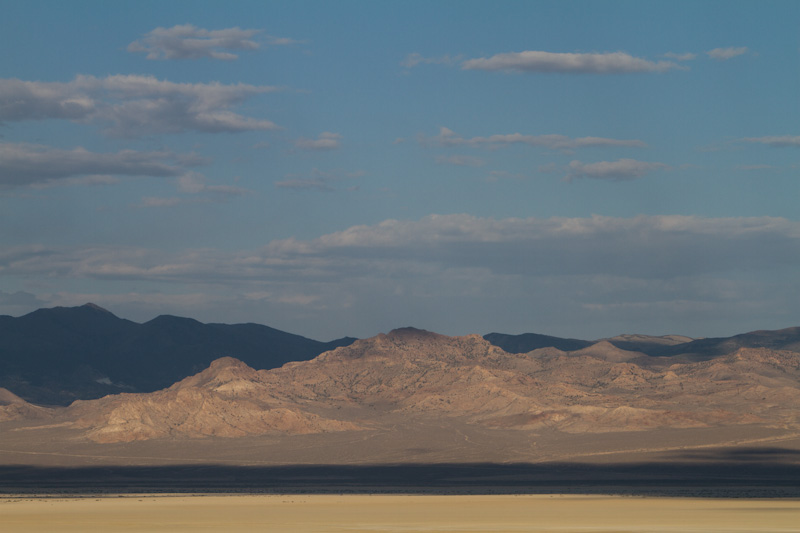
421 375
417 395
58 355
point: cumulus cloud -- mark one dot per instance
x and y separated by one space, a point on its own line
778 141
619 170
448 137
325 141
190 42
29 100
132 105
570 63
642 246
36 165
722 54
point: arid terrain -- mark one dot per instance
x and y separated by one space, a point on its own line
413 397
378 513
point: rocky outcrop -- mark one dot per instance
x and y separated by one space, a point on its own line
229 399
12 407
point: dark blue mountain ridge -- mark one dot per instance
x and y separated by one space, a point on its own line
667 346
57 355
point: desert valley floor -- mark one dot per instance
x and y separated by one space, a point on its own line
382 513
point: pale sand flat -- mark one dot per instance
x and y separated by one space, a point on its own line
381 513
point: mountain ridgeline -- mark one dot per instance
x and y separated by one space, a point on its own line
251 393
459 388
57 355
657 346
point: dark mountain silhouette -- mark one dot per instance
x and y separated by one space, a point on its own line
57 355
527 342
781 339
662 346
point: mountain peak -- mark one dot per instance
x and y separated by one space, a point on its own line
90 305
607 351
219 372
409 331
227 362
7 397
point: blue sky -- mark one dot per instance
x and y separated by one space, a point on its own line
343 168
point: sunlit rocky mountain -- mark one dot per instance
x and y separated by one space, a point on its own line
412 389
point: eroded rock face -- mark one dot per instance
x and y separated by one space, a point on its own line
12 407
596 389
228 399
417 374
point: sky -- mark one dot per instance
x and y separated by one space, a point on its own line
579 169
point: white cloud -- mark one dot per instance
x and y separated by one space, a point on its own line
620 170
460 160
573 63
448 137
643 246
778 141
722 54
190 42
325 141
36 165
131 105
29 100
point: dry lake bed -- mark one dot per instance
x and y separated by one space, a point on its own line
382 513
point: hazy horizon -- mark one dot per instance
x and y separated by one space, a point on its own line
576 169
397 327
